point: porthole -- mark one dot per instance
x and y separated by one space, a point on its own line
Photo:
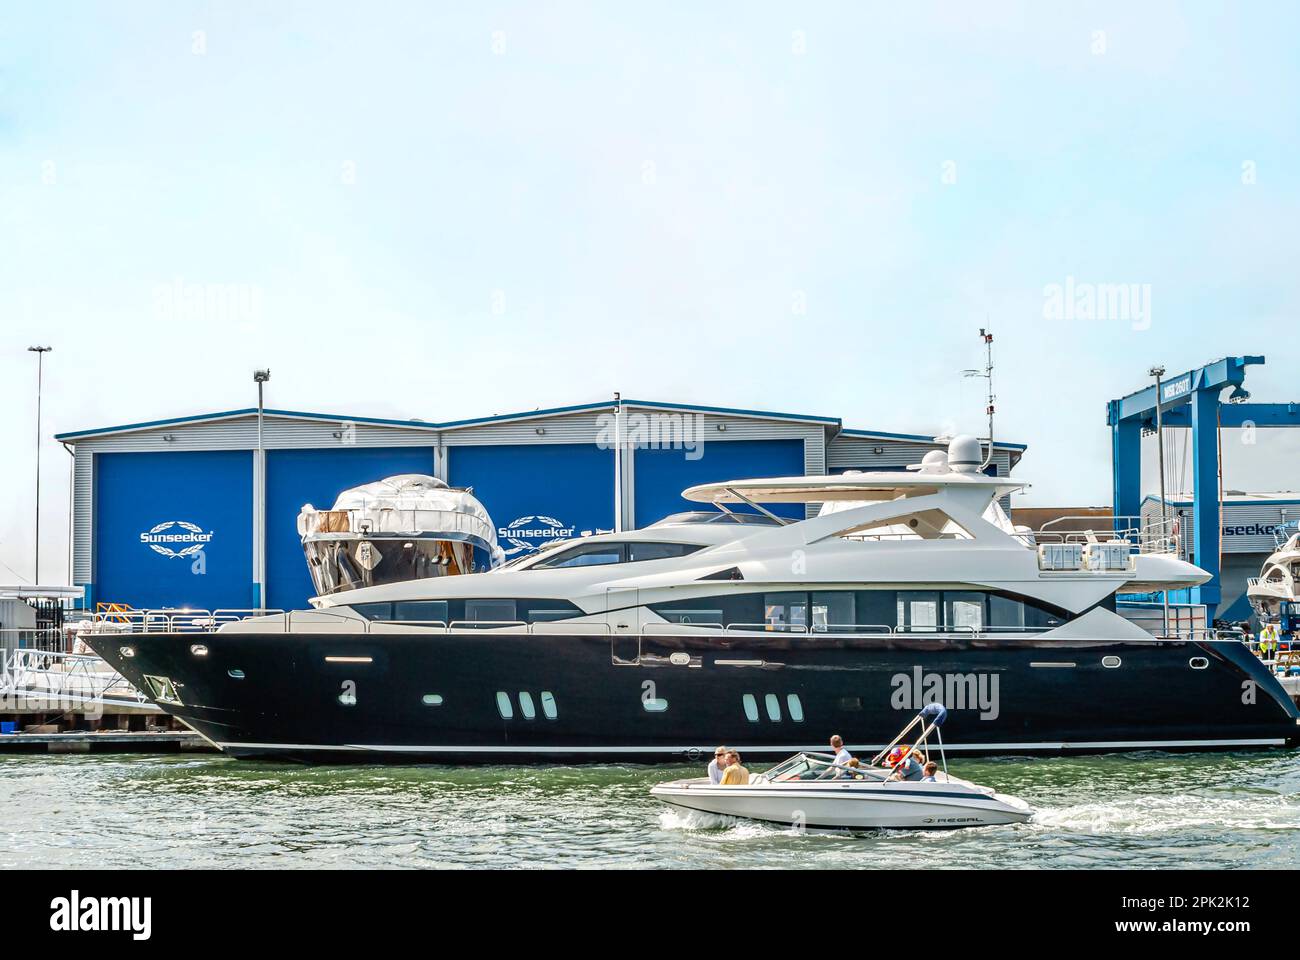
503 705
654 704
526 706
1111 662
1198 663
235 674
795 707
773 705
432 699
751 707
127 652
548 705
198 649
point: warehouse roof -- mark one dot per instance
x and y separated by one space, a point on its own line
832 423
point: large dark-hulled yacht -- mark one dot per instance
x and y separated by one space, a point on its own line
738 628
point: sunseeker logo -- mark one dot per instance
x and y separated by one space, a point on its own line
190 541
531 533
956 691
76 913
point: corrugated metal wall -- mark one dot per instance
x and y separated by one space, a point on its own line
1247 526
529 434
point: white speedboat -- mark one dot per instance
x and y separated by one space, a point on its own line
811 790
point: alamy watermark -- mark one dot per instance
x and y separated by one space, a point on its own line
652 431
1080 300
956 691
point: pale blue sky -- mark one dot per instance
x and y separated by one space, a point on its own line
445 211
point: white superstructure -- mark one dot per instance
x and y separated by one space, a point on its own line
935 528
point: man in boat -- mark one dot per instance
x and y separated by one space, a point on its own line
717 765
735 774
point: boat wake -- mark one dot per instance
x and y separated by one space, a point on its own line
1165 814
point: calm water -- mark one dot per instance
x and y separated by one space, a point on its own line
1156 810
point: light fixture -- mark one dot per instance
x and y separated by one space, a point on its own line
541 431
722 427
1239 394
168 438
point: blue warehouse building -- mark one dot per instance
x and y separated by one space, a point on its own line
192 512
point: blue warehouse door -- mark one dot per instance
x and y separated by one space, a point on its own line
662 474
538 492
297 477
174 529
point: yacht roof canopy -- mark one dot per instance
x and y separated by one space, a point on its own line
857 486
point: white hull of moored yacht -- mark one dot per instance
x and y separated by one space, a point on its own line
850 806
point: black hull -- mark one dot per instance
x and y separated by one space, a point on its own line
286 695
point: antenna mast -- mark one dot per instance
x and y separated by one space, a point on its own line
987 374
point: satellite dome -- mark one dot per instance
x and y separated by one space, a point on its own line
965 454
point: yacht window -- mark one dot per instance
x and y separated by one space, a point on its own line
773 707
918 610
585 555
374 611
478 611
1017 613
526 705
869 611
637 552
833 608
751 707
963 611
693 615
545 611
548 705
503 705
428 611
1006 613
785 611
796 707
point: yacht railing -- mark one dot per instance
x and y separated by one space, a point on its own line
1145 534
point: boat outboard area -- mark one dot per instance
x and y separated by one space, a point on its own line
823 791
741 624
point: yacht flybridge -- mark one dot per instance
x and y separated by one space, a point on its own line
734 626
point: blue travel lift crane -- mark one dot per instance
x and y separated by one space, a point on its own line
1191 400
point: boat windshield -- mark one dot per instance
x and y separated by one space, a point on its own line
818 766
707 516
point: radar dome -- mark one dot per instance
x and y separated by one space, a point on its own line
965 454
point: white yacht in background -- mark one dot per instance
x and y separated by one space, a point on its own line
407 527
741 628
1279 579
